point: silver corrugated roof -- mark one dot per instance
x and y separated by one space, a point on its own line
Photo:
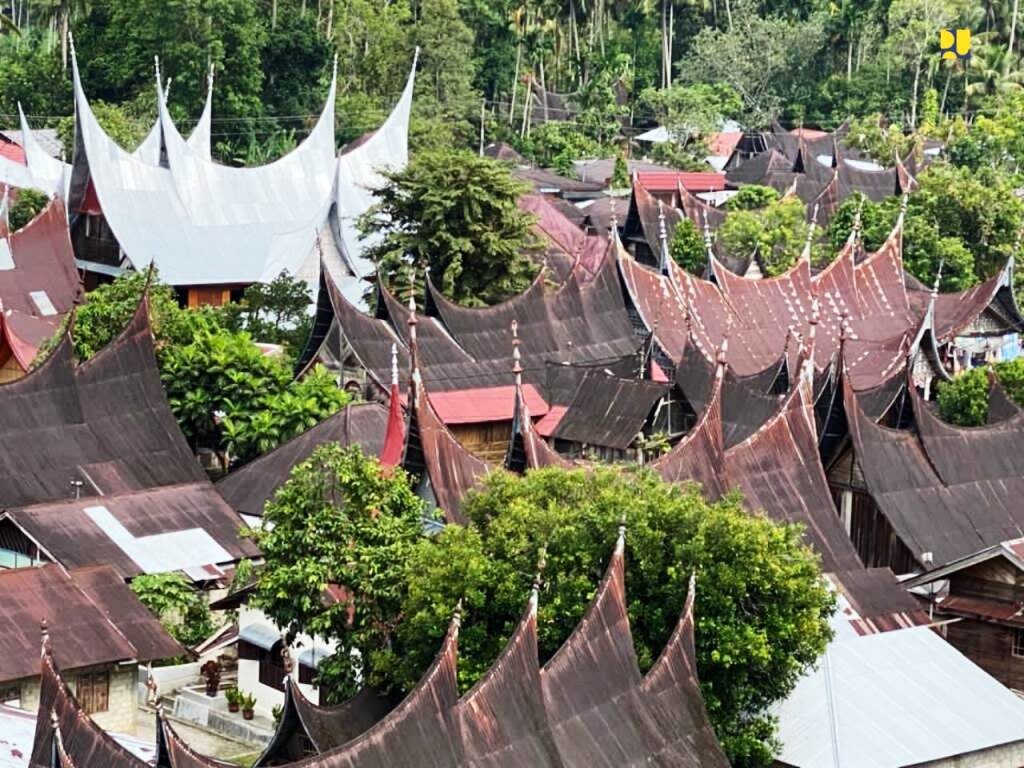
894 699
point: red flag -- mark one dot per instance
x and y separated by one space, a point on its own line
394 437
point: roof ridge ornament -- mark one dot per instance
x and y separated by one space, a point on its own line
44 638
707 243
394 365
662 239
613 229
805 254
517 368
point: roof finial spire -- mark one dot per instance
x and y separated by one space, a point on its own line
517 368
412 307
614 228
904 203
707 243
394 365
805 255
620 544
938 279
662 238
722 358
44 636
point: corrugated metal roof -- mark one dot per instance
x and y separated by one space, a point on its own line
473 406
894 699
669 181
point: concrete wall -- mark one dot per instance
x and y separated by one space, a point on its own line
122 702
249 670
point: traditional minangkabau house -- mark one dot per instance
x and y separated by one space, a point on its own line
96 469
212 229
102 633
570 712
39 285
817 167
99 428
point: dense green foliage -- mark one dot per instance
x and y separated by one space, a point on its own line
687 248
775 234
455 214
180 607
274 312
964 400
761 605
340 521
227 395
26 206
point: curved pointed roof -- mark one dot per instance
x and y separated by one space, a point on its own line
360 169
105 422
326 727
503 719
673 696
700 454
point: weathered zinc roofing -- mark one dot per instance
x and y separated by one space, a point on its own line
87 631
85 744
105 423
326 727
248 488
863 705
608 411
903 471
589 706
158 530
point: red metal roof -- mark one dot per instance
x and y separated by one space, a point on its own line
12 151
667 181
474 406
975 607
809 133
722 144
545 427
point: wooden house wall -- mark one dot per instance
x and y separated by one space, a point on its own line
990 646
489 440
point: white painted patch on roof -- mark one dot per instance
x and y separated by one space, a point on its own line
162 552
6 258
43 303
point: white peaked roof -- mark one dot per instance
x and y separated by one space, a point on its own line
203 223
359 172
894 699
150 148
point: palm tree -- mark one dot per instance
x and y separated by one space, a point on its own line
990 66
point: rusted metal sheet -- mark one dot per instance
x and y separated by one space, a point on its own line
609 412
104 424
249 487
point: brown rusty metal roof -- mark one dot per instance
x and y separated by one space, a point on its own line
107 590
248 488
105 423
83 633
71 533
608 411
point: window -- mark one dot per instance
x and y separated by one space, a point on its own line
11 695
1018 642
93 692
272 672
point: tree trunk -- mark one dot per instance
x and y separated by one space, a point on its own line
1013 34
913 100
945 93
664 43
671 38
728 13
515 84
273 14
849 60
330 19
544 89
526 105
64 14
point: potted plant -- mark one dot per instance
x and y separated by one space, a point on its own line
211 674
248 706
234 697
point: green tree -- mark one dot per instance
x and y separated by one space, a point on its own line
763 59
964 400
276 312
690 113
26 206
620 173
762 607
180 607
456 214
881 140
340 522
556 145
1011 376
751 197
123 128
687 248
776 234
